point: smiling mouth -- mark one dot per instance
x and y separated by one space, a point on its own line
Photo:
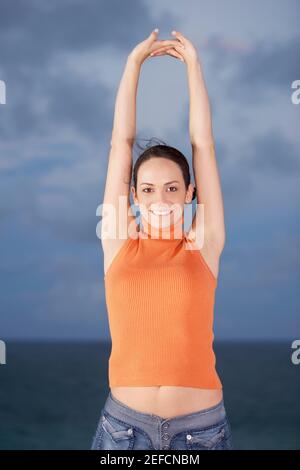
161 212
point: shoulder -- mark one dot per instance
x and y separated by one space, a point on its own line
209 253
113 248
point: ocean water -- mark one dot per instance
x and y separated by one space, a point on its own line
51 394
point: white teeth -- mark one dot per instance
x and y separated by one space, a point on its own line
161 212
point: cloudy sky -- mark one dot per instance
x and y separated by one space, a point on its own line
61 62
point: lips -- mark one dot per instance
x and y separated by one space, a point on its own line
161 212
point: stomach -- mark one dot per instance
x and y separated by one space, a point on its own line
167 401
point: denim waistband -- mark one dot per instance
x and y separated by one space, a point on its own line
202 418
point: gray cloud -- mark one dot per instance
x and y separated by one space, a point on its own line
32 31
265 65
271 64
273 152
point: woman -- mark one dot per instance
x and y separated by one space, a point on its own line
160 281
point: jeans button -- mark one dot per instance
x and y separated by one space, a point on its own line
165 447
166 425
166 436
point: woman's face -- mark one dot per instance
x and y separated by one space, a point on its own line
161 192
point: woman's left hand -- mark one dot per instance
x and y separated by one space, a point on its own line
185 50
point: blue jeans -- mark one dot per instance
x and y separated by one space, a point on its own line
123 428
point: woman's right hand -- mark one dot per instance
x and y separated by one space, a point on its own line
143 50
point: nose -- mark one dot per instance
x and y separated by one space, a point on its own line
161 202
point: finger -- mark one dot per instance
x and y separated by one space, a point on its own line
159 49
167 42
179 36
170 52
179 47
175 54
174 45
152 37
158 53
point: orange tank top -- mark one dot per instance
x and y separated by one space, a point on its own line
160 297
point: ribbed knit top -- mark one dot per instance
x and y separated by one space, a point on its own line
160 296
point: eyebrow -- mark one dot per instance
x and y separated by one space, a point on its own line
150 184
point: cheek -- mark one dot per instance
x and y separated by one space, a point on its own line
144 198
144 202
178 197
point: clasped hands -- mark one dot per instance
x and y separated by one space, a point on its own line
181 48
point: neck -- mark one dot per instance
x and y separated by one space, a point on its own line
174 230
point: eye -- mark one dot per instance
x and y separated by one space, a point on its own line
144 190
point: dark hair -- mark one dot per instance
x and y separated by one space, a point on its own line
162 150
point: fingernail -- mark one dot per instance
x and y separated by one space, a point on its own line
173 32
156 30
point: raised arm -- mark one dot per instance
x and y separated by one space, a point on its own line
117 216
120 157
209 194
210 227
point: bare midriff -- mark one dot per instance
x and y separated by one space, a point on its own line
167 401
